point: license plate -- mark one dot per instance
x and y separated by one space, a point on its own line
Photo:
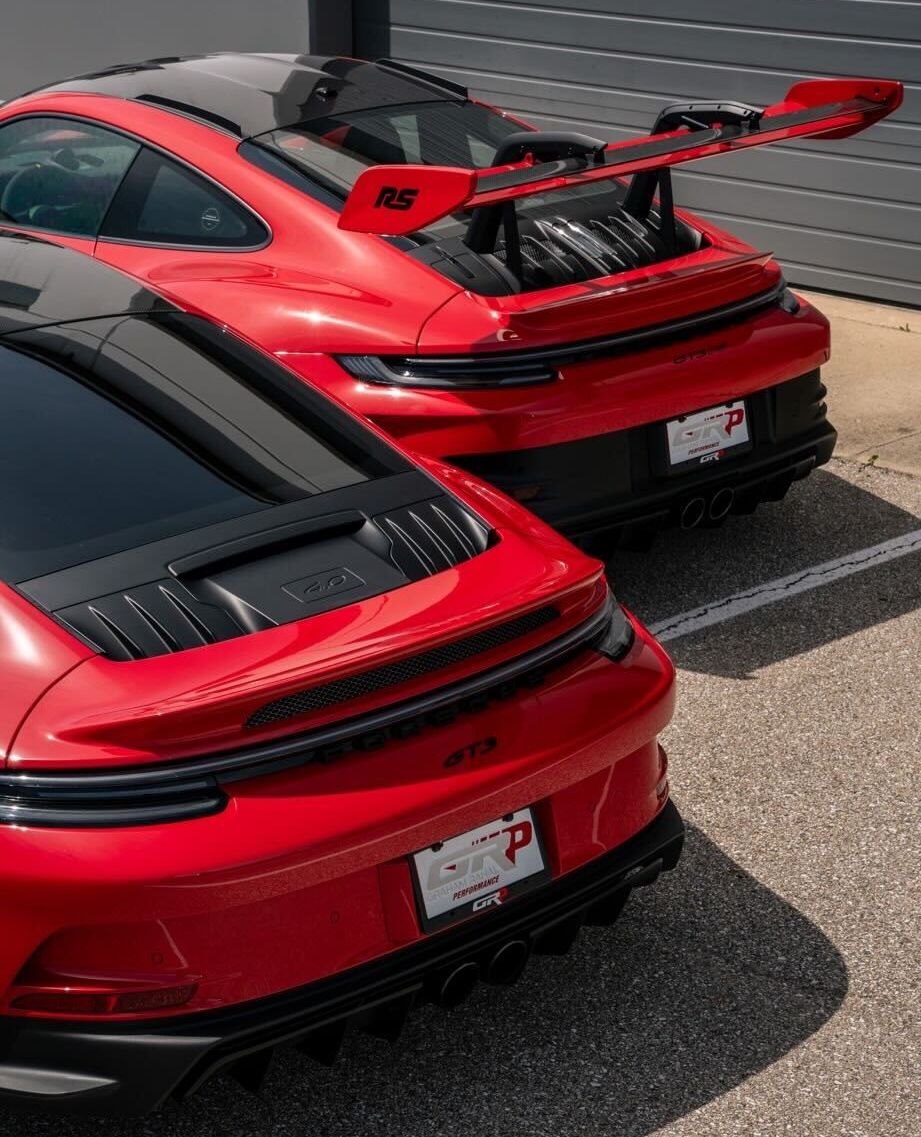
479 870
708 436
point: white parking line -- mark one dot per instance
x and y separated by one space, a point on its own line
785 586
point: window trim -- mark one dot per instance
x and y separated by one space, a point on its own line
142 143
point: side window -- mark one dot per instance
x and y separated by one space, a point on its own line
60 174
162 202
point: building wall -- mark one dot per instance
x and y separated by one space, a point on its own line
44 40
842 215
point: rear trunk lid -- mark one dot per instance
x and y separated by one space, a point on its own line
308 674
655 297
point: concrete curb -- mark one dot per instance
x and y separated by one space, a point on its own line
874 381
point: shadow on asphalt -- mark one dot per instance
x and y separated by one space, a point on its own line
783 630
708 978
821 519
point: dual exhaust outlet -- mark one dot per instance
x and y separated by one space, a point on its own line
503 967
501 970
698 509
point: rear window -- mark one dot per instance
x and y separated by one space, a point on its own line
334 151
153 427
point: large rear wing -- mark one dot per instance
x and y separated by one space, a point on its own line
400 199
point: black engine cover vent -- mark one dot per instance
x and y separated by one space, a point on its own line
433 536
567 250
154 619
278 577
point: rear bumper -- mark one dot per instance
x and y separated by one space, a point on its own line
587 453
295 904
130 1069
622 479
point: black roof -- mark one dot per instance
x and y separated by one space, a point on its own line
249 94
43 284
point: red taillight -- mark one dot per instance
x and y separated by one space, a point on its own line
63 1003
78 1003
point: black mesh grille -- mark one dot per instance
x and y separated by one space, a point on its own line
403 671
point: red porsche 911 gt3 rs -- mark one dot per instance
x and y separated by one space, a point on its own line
529 305
294 733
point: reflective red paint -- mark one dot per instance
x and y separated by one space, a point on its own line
317 291
318 855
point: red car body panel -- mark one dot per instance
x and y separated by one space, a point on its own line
134 946
340 297
317 291
36 653
317 856
647 386
169 707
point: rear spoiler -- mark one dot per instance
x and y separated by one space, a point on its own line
397 200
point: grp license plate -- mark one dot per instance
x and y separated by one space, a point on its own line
708 436
479 870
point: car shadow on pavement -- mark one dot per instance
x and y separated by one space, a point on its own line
708 978
783 630
823 518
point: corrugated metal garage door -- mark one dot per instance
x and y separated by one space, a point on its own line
45 40
842 215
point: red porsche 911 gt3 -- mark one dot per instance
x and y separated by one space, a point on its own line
530 305
294 732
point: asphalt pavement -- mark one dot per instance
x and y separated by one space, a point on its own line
770 985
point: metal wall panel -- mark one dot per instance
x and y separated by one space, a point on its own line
843 215
44 40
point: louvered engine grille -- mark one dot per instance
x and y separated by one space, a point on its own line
561 250
171 615
403 671
435 535
150 620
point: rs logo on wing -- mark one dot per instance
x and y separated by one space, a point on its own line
390 197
